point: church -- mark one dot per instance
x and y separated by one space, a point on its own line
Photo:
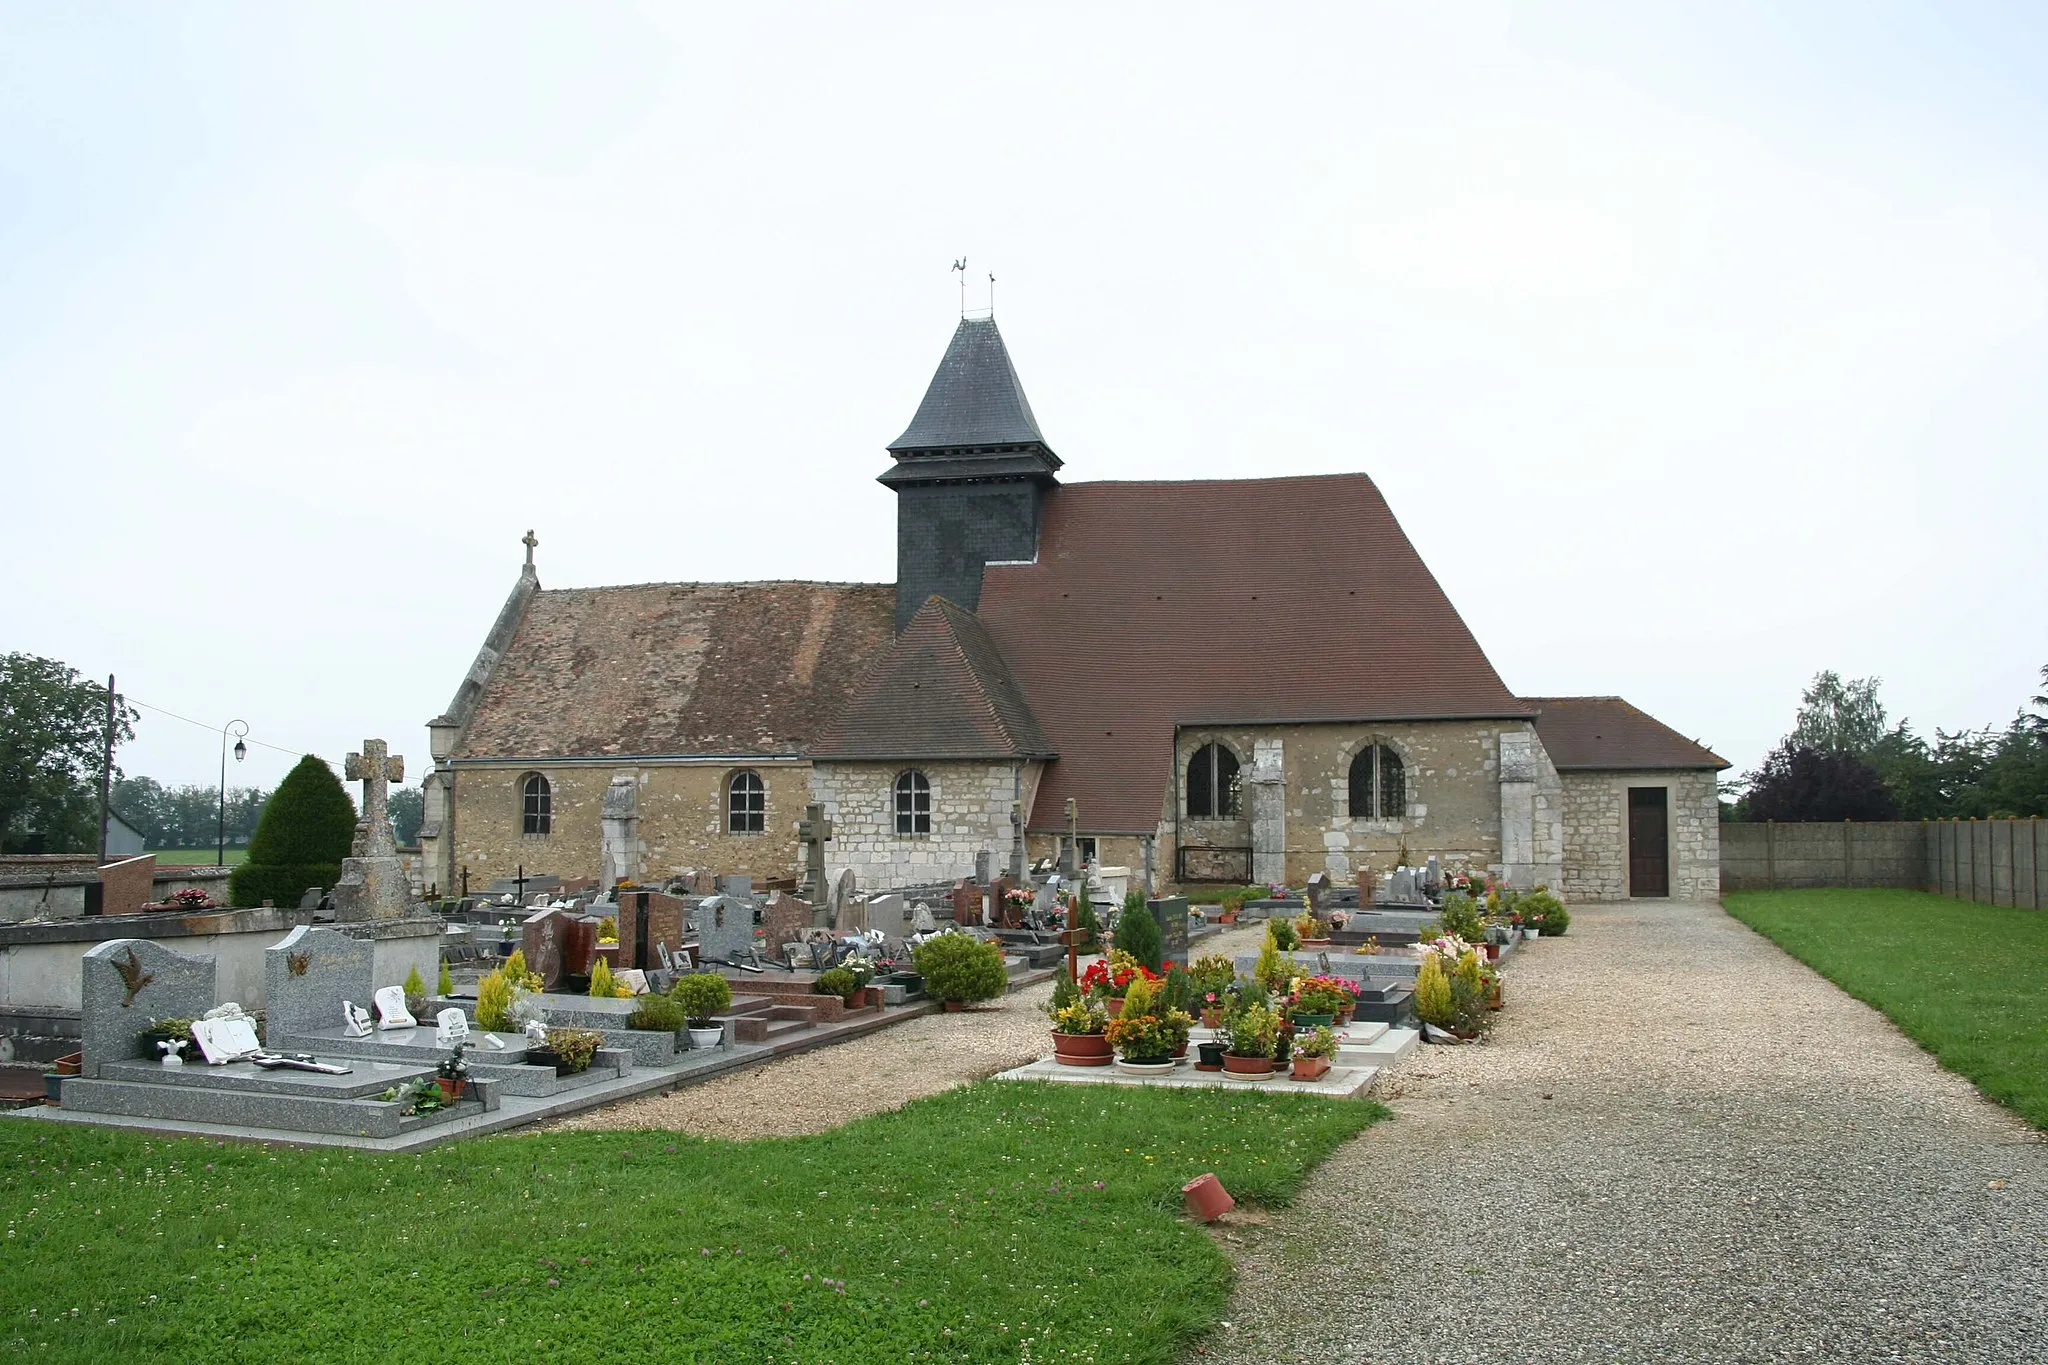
1291 694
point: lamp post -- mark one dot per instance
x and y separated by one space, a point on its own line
237 728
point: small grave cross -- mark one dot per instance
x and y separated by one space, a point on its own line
375 766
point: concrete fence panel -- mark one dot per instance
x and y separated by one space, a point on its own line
1997 862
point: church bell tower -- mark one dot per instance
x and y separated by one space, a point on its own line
970 475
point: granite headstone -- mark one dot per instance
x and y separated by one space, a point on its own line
128 984
542 938
307 975
1172 914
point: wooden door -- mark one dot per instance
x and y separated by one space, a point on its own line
1649 843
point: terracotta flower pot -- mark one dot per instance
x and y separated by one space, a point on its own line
1116 1006
1081 1049
955 1006
1247 1066
1206 1198
1493 1000
1211 1017
1493 952
452 1087
1310 1068
1345 1015
1315 943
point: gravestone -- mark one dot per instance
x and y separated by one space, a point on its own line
647 918
970 904
128 984
1401 887
542 939
579 943
922 921
844 892
1432 877
984 866
812 832
724 927
1318 893
306 977
391 1010
1365 884
785 919
852 916
619 833
739 884
1172 914
373 883
888 913
999 908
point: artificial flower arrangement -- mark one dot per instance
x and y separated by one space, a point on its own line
1112 978
1318 995
191 898
1146 1032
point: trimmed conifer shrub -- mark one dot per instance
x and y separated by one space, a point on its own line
1137 933
306 829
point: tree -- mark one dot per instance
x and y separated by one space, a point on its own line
1839 717
1797 783
1137 932
53 736
306 829
408 808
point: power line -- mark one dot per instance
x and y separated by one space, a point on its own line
211 729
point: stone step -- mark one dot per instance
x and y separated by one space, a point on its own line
251 1109
541 1082
758 1029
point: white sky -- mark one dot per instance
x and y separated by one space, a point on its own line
1697 349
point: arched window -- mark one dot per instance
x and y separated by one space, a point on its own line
1214 783
536 805
913 803
1379 788
746 804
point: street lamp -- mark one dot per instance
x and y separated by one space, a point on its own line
237 728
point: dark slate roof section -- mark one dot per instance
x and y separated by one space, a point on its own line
743 669
942 691
975 400
1153 605
1594 734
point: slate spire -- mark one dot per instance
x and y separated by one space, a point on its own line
975 402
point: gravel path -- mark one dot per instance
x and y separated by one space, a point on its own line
813 1091
1680 1145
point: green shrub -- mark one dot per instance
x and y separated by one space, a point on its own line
1273 971
1137 932
1433 992
445 987
1545 912
306 829
701 996
575 1046
494 1003
602 987
415 989
1085 922
1280 933
658 1014
956 967
1461 916
837 981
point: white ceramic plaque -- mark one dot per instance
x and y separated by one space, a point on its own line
225 1040
451 1027
391 1010
355 1020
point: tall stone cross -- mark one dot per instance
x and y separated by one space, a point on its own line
374 767
814 829
529 542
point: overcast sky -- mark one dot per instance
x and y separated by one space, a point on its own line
1697 348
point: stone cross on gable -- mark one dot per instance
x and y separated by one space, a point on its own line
529 542
375 766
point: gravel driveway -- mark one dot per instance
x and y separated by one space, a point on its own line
1680 1145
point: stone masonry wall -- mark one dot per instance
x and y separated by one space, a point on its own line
1596 833
682 809
970 812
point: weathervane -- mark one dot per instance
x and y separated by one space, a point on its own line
960 269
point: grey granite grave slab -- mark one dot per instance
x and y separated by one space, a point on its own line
725 926
1172 914
365 1080
128 984
307 975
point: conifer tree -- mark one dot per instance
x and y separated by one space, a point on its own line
1137 933
306 829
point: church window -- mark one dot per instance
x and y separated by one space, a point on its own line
537 805
1379 787
913 803
746 804
1214 783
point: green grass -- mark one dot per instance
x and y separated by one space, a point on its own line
997 1222
1967 982
194 857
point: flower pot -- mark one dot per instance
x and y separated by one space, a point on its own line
544 1056
1493 952
1310 1068
1116 1006
53 1088
1229 917
1206 1198
1211 1017
69 1063
1180 1052
1210 1056
1149 1066
954 1006
1533 933
1081 1049
706 1037
1310 1021
1345 1015
452 1087
1493 1000
1248 1068
1315 943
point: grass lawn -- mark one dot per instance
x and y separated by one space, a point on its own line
193 857
998 1222
1967 982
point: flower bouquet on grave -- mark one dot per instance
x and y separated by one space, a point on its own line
452 1075
1318 1000
574 1048
1314 1053
1254 1034
1078 1027
156 1040
191 898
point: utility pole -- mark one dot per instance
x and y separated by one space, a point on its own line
107 774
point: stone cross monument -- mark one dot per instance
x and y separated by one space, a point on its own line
814 830
373 883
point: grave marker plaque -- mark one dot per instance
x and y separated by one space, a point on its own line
1172 914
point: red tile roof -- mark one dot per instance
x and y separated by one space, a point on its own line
679 668
1224 601
941 691
1593 733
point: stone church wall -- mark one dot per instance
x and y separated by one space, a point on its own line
1596 833
682 817
970 812
1453 796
